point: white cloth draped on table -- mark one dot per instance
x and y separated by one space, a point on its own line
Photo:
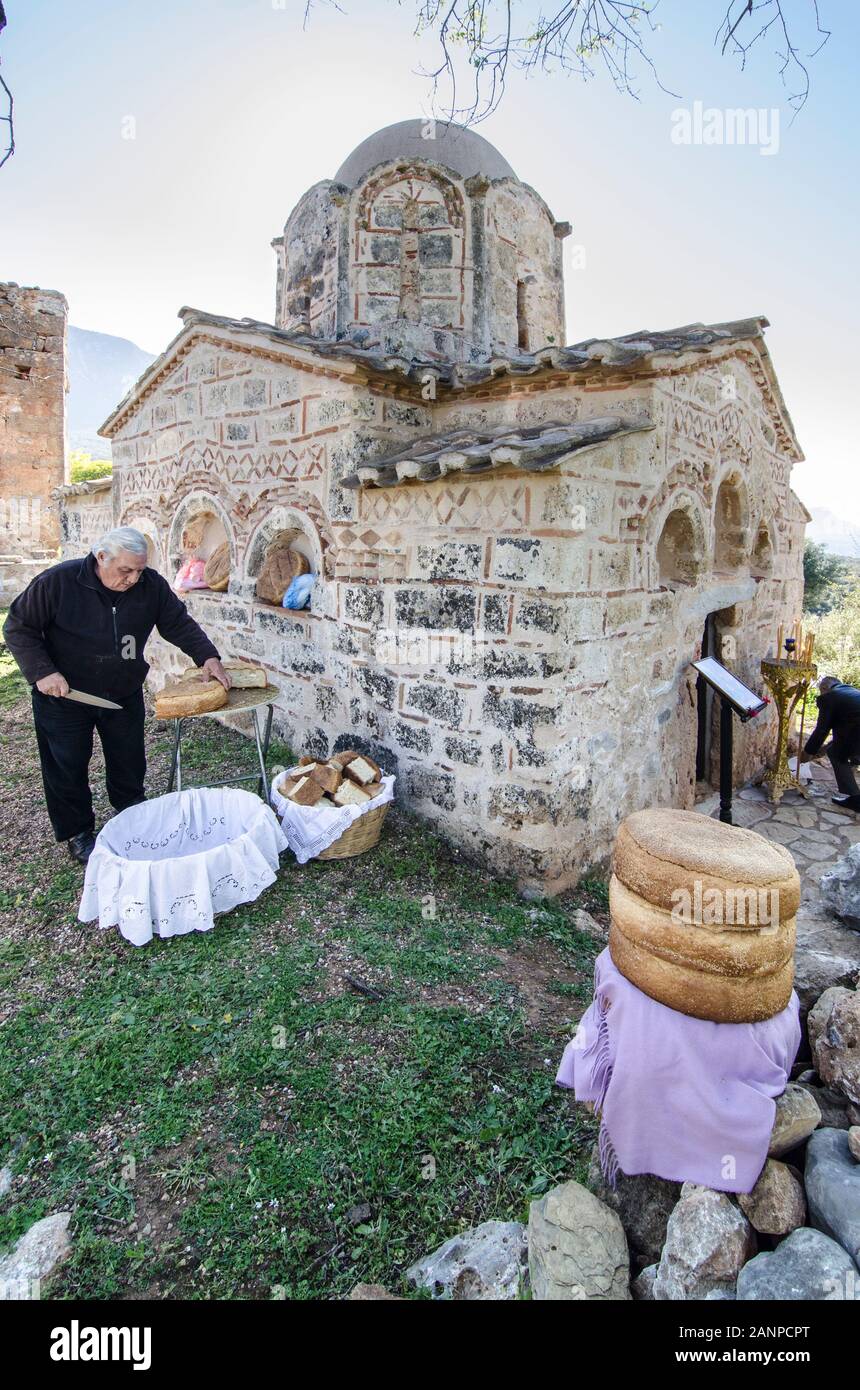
165 867
311 829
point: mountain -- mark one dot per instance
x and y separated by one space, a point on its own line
101 370
839 535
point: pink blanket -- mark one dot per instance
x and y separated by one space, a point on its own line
678 1097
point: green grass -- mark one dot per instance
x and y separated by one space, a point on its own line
13 687
213 1108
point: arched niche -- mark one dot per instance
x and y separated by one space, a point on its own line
200 525
731 524
284 526
680 548
763 551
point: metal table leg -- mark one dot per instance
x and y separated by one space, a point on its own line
176 759
262 739
262 750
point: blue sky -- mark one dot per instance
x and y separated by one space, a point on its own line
237 109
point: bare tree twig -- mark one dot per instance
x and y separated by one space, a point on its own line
9 118
487 38
770 14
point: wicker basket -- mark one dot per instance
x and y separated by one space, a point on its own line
363 834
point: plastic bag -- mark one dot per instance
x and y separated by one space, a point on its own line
191 575
298 595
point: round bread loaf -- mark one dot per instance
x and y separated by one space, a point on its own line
660 852
703 916
280 568
685 988
217 571
191 696
726 974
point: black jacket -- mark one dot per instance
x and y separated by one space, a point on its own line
67 621
839 715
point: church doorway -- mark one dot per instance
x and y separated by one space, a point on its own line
705 704
719 641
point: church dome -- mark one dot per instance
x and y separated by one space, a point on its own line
462 150
425 244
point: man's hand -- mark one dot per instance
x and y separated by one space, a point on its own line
215 671
54 684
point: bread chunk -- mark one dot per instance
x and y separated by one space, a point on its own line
306 792
363 770
341 759
350 794
329 778
245 675
217 570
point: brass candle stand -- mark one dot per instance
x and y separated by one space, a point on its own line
788 682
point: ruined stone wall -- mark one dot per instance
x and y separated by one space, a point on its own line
86 513
32 418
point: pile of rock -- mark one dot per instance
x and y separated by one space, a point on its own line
796 1235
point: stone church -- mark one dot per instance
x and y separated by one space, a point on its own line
520 546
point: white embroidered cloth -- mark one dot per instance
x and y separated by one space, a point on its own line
165 867
311 829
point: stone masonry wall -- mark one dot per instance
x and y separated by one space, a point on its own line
86 513
422 262
505 643
32 418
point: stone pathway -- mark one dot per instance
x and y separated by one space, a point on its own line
816 833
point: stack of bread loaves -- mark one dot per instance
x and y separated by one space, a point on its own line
703 916
192 695
347 779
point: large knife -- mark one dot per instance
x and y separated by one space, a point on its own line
86 699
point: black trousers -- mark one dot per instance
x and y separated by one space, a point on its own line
64 733
843 770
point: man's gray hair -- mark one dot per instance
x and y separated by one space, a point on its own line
826 682
121 538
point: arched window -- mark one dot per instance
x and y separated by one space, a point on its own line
761 563
730 533
522 317
679 557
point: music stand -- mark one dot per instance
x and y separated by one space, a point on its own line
735 698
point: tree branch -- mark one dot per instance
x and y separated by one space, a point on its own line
771 14
9 118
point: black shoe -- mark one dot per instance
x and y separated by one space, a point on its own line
839 800
852 803
81 846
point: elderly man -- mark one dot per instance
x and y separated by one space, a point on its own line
83 625
839 715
